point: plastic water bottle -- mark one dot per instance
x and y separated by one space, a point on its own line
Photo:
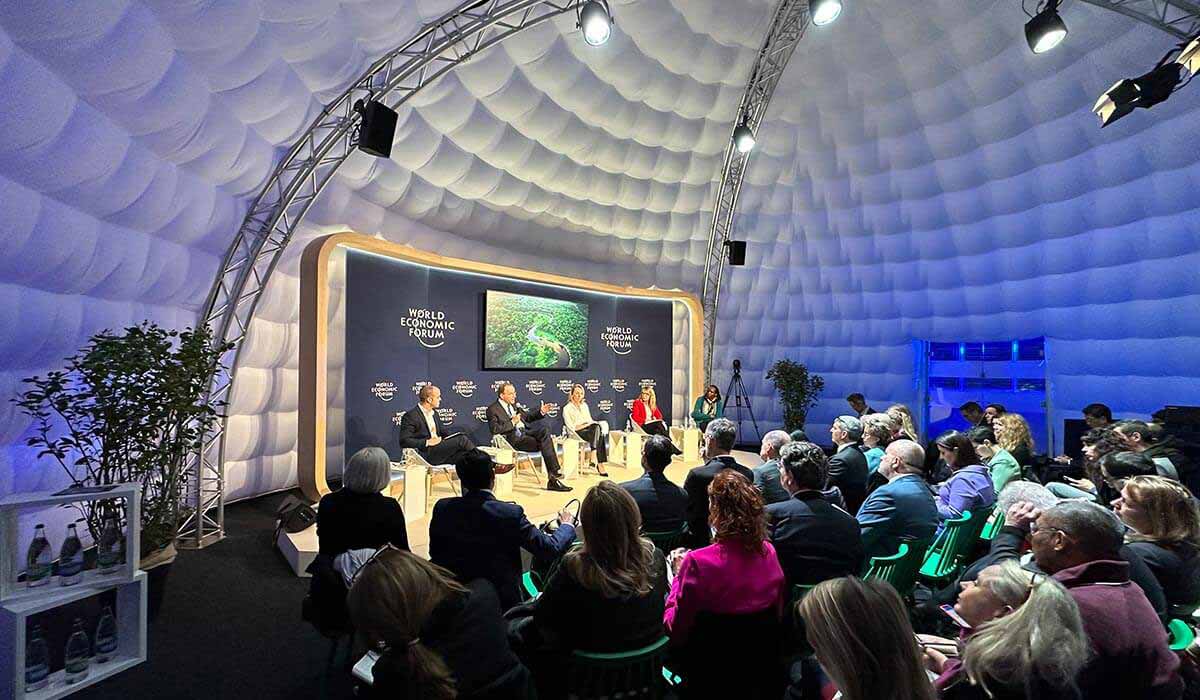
78 654
37 661
38 561
106 636
109 548
70 558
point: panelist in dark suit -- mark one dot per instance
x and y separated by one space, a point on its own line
848 467
504 418
663 505
478 536
718 443
814 539
419 430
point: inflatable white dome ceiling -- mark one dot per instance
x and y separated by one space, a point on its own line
920 174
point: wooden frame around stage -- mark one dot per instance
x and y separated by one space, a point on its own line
314 331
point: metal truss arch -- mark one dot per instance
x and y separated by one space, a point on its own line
787 28
1179 18
299 178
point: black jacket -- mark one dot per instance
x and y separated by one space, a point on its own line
696 486
1177 570
414 431
477 536
470 635
848 472
347 520
500 424
663 505
814 539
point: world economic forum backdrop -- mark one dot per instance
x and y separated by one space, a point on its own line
408 324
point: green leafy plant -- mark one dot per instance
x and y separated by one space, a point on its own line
798 389
129 407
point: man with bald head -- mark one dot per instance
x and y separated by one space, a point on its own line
903 509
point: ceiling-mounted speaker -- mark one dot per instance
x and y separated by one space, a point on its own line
378 128
737 252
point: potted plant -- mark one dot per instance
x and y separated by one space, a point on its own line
798 390
130 407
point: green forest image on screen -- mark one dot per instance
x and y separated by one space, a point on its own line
527 332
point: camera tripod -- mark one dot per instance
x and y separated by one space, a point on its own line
737 391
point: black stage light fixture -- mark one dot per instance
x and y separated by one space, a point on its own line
1142 92
595 21
743 138
1046 29
737 252
378 128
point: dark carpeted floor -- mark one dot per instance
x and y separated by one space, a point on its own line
230 624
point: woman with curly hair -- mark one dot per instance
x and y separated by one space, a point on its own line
908 429
723 591
1013 436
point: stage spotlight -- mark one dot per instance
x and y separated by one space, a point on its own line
1047 29
596 22
743 138
1142 92
824 11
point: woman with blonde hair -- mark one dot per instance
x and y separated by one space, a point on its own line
863 640
437 638
605 595
908 429
1164 529
1026 639
1013 436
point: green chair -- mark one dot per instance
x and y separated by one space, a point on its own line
628 675
950 550
900 569
992 526
666 541
1181 635
530 583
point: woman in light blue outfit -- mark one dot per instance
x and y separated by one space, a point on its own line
877 433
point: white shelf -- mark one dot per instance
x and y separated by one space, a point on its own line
130 612
12 553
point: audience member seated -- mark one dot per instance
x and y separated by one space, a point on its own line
992 411
605 596
478 536
908 429
798 435
1114 469
1078 543
358 516
902 509
1026 639
708 407
1164 529
766 475
662 504
969 487
814 540
848 466
1096 444
1138 437
972 413
863 640
858 403
438 639
732 585
718 443
877 433
1012 434
1001 465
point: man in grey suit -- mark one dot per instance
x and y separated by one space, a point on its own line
848 467
718 443
902 509
766 475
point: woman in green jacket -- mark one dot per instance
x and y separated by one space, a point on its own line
708 407
1002 465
